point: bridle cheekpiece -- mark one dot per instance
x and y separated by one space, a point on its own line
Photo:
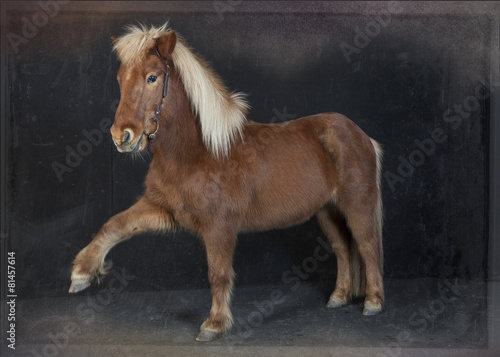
152 136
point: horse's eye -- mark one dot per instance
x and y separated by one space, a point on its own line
151 79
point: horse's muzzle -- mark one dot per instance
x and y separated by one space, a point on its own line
127 142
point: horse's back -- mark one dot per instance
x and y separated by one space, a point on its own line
317 139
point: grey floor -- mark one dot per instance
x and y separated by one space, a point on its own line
424 317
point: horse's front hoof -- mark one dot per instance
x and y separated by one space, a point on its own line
78 285
334 303
208 335
372 310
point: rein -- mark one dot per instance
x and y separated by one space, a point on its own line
152 136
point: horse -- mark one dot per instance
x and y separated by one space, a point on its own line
216 173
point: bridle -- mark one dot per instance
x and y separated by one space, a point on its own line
152 136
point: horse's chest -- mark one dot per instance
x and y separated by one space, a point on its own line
189 202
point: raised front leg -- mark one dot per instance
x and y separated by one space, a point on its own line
220 250
89 264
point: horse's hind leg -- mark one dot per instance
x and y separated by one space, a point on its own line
363 219
89 264
220 249
333 224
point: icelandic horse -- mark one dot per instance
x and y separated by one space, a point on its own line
216 173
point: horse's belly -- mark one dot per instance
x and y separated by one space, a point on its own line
289 202
291 176
266 218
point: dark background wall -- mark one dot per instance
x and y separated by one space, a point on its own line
397 84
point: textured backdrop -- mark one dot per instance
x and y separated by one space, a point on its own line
417 79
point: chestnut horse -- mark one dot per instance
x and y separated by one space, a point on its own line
216 173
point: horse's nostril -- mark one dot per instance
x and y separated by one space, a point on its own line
126 137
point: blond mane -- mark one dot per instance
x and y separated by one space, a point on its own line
221 113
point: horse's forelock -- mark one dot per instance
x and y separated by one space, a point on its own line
133 46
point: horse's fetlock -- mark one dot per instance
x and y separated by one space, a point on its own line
105 268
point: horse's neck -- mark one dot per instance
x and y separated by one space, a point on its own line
179 137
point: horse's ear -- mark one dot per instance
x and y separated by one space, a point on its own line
166 44
114 39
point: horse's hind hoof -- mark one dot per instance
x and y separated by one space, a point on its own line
372 310
78 285
334 303
207 336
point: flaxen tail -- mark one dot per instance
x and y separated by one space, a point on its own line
357 269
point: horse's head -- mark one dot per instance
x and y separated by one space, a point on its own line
208 110
141 81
